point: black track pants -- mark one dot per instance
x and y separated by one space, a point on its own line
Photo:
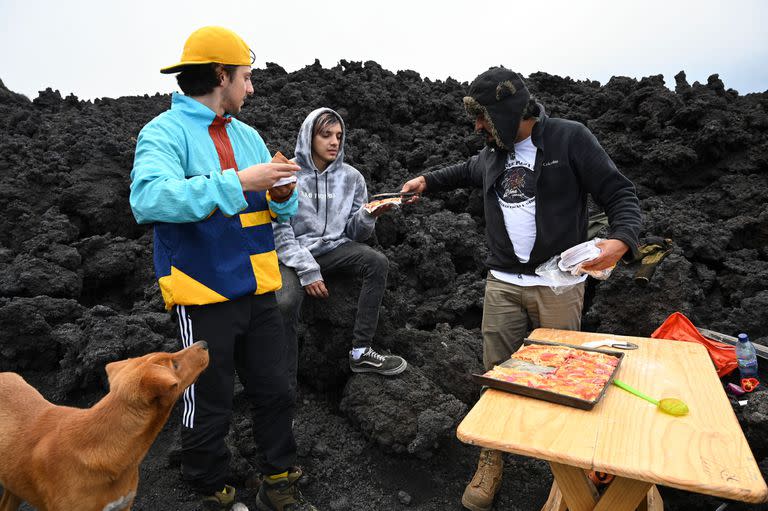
243 335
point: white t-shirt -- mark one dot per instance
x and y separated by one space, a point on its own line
516 192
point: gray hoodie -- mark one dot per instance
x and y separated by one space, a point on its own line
330 211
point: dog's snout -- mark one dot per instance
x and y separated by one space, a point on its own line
203 345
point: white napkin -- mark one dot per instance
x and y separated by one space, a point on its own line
578 254
285 181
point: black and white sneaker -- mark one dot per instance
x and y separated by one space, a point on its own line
372 362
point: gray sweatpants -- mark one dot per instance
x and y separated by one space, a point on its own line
510 312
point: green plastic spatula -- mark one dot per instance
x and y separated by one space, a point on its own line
670 405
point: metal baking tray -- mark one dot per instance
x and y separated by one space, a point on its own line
547 395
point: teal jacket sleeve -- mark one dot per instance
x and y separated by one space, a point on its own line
284 211
160 190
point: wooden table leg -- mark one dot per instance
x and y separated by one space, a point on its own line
652 501
555 500
623 495
578 491
573 491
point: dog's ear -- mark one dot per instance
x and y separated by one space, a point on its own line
114 368
159 382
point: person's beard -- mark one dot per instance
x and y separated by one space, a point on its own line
490 140
234 107
232 110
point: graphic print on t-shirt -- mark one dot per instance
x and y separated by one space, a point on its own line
516 193
516 186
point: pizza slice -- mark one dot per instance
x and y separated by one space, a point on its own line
594 356
544 354
581 389
376 204
518 377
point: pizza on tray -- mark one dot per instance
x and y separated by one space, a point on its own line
559 369
544 355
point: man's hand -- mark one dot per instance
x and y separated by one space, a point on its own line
611 252
381 210
281 193
317 289
262 176
417 185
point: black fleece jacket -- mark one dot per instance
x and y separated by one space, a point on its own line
570 163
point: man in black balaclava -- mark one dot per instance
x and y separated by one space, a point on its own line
535 173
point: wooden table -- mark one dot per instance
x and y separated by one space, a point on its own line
703 452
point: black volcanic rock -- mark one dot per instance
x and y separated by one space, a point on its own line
77 287
405 414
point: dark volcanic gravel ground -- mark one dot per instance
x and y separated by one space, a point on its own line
77 288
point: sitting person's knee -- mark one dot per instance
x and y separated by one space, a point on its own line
378 262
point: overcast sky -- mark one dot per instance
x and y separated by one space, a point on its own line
112 48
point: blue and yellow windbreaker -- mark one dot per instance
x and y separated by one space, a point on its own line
212 241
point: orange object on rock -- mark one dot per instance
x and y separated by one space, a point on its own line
600 479
749 384
679 328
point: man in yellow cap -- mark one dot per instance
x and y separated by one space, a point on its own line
203 179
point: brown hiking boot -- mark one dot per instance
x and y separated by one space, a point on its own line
283 494
481 490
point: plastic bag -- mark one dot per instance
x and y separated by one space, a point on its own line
679 328
573 259
565 270
561 281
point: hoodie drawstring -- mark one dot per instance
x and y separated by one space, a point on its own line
317 200
326 203
317 195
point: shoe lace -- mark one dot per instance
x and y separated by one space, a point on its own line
292 490
486 460
375 355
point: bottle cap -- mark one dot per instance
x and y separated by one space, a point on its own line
743 337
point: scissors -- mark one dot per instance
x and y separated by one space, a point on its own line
611 343
403 195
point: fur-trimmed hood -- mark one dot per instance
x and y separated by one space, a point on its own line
500 95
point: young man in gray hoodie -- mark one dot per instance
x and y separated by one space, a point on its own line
325 235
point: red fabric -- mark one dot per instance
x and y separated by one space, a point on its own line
679 328
218 132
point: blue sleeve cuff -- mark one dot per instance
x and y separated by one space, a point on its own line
284 211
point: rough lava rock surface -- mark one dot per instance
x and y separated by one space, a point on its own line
77 288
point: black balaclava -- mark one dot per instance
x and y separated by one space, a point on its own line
500 95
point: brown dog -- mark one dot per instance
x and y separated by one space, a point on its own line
59 458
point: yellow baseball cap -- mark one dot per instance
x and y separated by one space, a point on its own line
213 44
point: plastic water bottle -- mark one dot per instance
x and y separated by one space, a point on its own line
746 356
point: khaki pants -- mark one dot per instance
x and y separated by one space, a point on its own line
511 311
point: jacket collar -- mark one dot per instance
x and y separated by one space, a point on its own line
193 108
537 135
